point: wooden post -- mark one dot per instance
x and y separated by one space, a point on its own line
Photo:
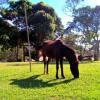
28 36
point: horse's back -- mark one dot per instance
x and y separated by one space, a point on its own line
52 48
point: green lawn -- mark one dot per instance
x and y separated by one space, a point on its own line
17 83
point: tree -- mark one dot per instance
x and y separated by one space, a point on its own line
71 5
15 13
87 21
70 40
44 21
59 28
6 32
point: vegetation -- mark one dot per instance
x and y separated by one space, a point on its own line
16 82
71 5
43 22
87 21
86 24
6 33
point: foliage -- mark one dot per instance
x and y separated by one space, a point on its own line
44 22
6 32
87 21
16 14
71 5
17 82
8 55
70 39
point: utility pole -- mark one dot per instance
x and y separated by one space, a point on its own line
28 39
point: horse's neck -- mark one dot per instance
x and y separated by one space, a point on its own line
73 58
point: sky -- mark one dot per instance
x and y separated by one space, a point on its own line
59 6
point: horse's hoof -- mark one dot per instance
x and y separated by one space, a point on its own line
63 77
57 77
76 77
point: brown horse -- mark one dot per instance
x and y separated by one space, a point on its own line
57 50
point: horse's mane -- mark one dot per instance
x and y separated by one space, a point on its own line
48 42
52 41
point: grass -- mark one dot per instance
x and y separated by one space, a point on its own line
17 83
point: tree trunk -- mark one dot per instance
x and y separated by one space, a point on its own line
96 55
23 53
17 52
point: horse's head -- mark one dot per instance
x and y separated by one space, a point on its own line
74 62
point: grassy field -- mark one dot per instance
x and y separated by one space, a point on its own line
17 83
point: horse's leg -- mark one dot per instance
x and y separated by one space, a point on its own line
61 66
57 67
47 65
44 60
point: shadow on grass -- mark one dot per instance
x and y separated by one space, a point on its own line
34 82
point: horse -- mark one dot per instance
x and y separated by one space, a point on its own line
58 50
